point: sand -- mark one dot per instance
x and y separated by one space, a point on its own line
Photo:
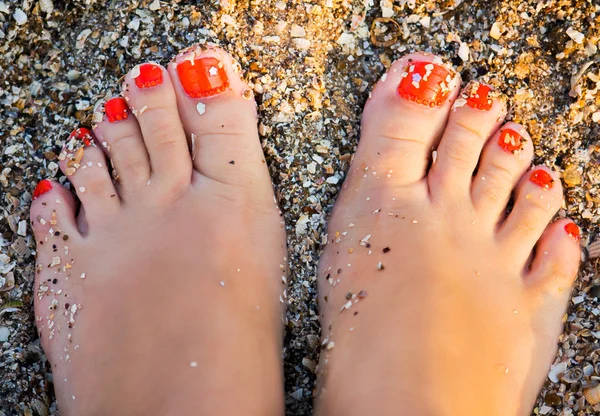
311 64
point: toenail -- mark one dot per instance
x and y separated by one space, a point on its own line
478 96
82 134
42 187
202 77
116 109
542 178
426 83
147 75
573 230
510 141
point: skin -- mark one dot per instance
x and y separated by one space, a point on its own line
180 305
464 317
164 307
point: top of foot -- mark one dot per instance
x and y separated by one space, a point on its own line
435 297
172 269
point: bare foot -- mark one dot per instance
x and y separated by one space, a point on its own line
434 299
162 296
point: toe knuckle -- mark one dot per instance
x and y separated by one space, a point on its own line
94 183
120 143
498 174
458 151
134 167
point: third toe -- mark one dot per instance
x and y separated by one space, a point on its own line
119 136
504 160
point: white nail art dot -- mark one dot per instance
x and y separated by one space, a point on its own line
135 72
201 108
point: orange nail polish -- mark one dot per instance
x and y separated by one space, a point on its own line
478 96
148 75
41 188
116 109
426 83
542 178
202 77
82 134
573 230
510 141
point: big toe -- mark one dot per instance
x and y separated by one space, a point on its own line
218 113
404 118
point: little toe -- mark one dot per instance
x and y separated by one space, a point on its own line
553 272
52 211
557 256
86 168
149 93
475 115
405 115
538 198
219 116
120 137
505 158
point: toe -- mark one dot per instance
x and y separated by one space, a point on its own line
538 198
505 158
120 137
475 115
405 116
557 257
149 93
86 168
52 211
219 116
552 274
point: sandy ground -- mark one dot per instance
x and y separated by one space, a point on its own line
311 64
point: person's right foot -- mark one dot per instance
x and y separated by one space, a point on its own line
162 296
434 299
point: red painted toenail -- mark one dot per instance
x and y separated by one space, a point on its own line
478 96
426 83
573 230
147 75
542 178
42 187
83 134
510 141
203 77
116 109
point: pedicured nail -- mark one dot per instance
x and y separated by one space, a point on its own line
116 109
41 188
542 178
426 83
510 141
202 77
573 230
147 75
82 134
478 96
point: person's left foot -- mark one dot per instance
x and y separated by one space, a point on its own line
162 296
